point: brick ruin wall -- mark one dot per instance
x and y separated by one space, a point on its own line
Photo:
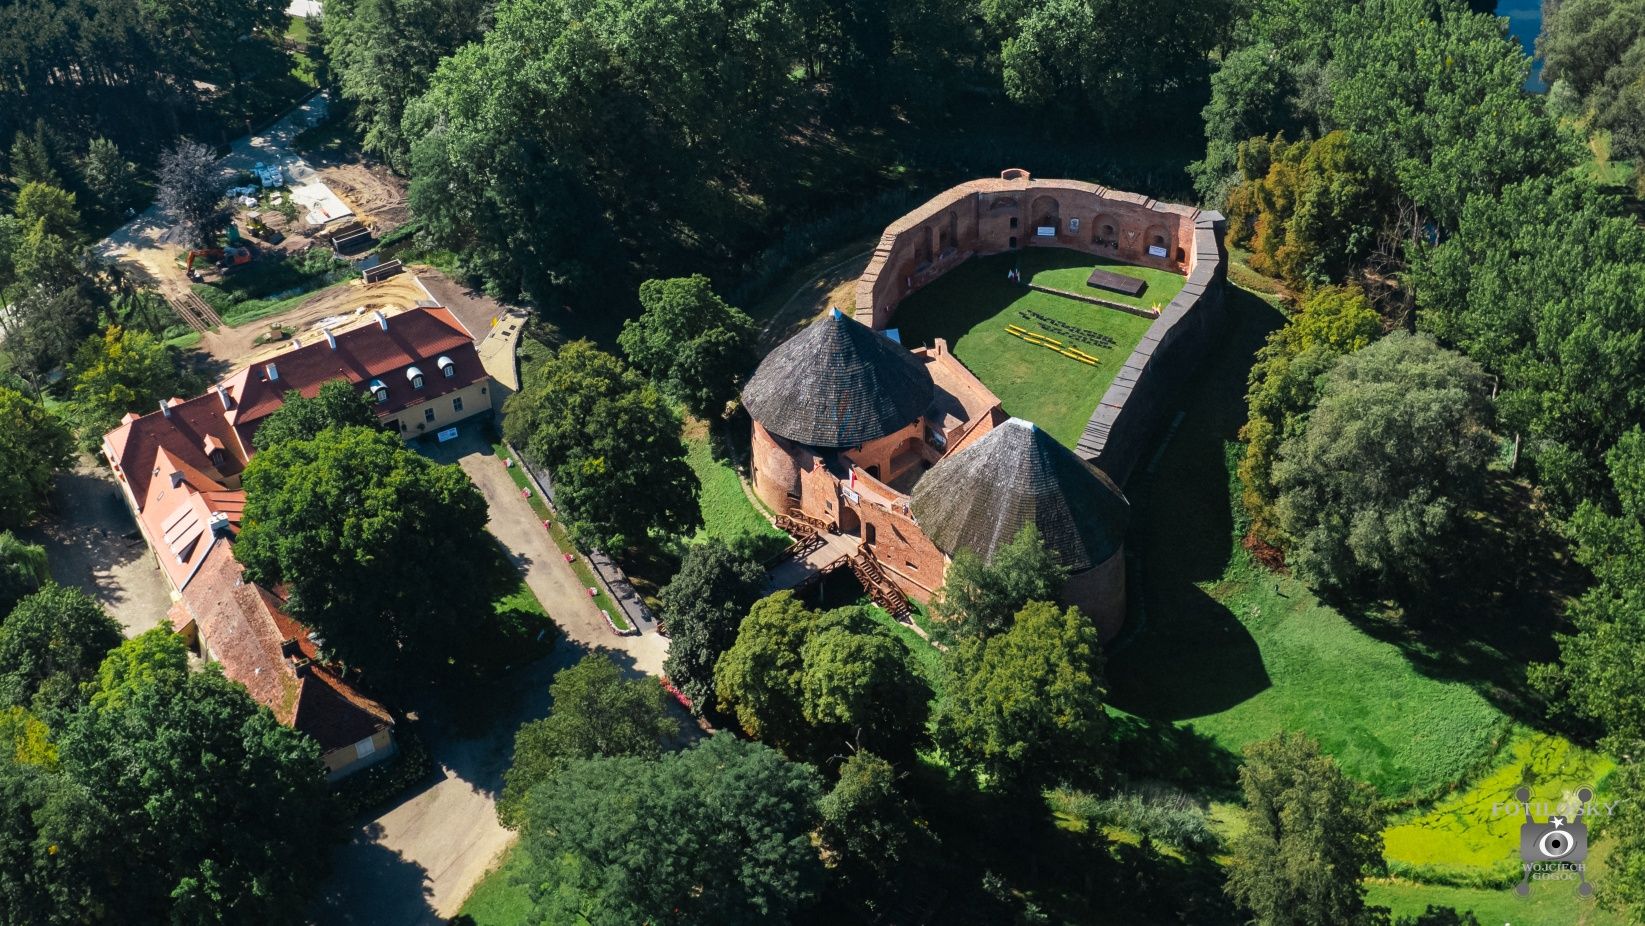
995 215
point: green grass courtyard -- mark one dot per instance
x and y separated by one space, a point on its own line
972 304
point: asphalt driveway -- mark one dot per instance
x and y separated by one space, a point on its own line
417 862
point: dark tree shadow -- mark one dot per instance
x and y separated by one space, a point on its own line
371 884
1183 653
1497 608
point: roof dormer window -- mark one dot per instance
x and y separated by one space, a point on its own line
448 368
416 377
379 392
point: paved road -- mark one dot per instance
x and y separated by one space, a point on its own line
416 863
92 542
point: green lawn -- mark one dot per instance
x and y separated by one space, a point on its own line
1236 653
727 511
496 901
973 303
1241 653
1548 905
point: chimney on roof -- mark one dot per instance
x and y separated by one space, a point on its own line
223 396
165 408
272 371
288 648
219 524
382 320
330 338
296 343
299 667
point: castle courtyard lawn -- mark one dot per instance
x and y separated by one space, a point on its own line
971 305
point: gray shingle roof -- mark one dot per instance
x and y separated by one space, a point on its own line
981 497
837 384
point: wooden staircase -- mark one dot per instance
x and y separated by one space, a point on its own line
881 589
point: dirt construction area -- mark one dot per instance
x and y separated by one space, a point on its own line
337 307
150 245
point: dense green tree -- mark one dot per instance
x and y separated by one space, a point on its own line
813 683
597 713
1284 385
1308 211
47 251
1434 92
1374 485
137 74
123 371
717 835
1625 866
1597 675
702 607
34 444
1309 835
356 524
337 405
1273 81
1595 49
50 643
216 812
32 158
983 599
612 444
191 191
691 343
1538 286
54 850
109 177
22 570
48 323
1025 707
565 109
1149 54
870 829
383 52
155 657
25 738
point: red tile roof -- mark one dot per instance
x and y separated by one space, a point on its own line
244 627
419 337
382 351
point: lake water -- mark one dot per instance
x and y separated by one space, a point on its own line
1525 22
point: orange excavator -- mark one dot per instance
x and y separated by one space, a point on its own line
226 259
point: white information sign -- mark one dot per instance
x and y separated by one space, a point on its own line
447 434
1156 251
1046 231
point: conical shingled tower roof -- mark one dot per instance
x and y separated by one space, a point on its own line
837 384
981 497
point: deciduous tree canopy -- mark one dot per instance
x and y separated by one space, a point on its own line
1310 834
702 607
815 683
596 714
1025 707
984 598
357 526
1285 384
612 444
1538 286
690 342
34 444
1388 462
717 835
337 405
